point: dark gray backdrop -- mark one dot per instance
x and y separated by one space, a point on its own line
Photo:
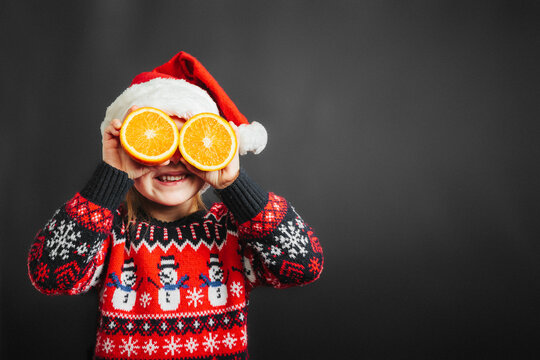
405 133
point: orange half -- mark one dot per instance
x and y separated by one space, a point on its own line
208 142
149 135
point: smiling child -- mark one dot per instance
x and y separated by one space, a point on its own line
175 278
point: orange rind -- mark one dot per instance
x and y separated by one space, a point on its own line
149 135
208 142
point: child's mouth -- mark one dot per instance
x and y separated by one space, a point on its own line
171 178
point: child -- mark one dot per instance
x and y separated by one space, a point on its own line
175 278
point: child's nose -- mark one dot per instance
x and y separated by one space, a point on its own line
175 159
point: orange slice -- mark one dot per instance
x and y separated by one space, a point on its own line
208 142
149 135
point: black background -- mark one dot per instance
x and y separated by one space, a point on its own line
405 132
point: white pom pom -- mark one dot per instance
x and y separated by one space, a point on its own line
251 138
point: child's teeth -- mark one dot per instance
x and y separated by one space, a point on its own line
172 178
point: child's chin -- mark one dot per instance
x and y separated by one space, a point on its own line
176 198
173 202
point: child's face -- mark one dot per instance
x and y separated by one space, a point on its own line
170 185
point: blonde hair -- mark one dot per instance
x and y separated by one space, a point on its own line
134 205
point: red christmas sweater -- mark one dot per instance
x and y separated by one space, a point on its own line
175 290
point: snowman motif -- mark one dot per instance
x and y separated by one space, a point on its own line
217 290
169 293
125 292
248 270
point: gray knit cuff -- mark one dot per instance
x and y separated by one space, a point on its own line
107 186
244 198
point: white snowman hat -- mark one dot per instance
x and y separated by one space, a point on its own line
129 265
214 260
183 87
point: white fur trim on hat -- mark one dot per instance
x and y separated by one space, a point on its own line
175 96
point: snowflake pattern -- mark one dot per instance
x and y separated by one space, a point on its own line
42 272
50 225
229 341
191 345
129 347
275 251
236 288
81 249
267 257
194 297
63 238
315 265
211 343
145 299
243 338
103 295
87 251
293 238
173 346
107 346
94 249
290 239
150 347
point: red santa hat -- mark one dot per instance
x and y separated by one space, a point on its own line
183 87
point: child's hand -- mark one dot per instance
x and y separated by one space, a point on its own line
114 154
219 179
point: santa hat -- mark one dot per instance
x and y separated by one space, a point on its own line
183 87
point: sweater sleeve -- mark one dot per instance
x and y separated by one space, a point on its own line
281 249
69 252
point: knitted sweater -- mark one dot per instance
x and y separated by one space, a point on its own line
175 290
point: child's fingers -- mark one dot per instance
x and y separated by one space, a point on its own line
116 123
193 169
113 130
109 135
